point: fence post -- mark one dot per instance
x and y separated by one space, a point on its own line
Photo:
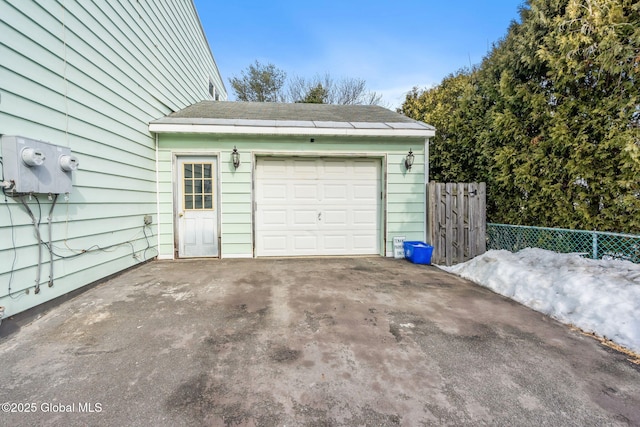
595 245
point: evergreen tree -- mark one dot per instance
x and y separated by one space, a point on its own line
551 117
457 110
259 83
316 95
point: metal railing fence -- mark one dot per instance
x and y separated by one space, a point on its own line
593 244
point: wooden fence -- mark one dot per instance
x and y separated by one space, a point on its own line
456 221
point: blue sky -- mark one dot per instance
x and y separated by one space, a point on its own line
393 45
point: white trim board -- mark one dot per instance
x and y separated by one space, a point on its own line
287 130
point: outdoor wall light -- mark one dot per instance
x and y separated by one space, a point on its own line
236 157
408 162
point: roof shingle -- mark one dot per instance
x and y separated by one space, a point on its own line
290 112
328 118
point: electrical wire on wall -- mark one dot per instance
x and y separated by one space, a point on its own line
13 240
49 220
97 248
53 250
36 226
22 196
144 253
78 252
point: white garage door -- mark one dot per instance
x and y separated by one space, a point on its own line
313 206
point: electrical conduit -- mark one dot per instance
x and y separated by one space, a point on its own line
35 225
49 219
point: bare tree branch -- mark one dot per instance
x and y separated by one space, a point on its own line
267 83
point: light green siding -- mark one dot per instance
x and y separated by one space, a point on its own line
405 190
91 76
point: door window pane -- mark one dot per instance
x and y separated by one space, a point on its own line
198 185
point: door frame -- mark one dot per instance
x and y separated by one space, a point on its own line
175 176
381 157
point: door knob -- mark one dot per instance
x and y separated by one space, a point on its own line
181 214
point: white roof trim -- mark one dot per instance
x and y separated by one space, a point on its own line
290 127
279 130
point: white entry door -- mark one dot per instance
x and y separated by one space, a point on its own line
317 206
197 211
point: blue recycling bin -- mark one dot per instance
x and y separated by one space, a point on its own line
418 252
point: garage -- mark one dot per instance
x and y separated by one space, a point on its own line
318 206
291 180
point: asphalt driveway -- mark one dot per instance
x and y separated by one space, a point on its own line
314 342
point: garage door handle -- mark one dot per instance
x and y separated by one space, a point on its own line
319 216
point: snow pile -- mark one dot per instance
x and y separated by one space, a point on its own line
596 295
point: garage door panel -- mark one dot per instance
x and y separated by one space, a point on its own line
305 168
305 243
364 241
365 170
365 192
305 217
337 242
335 169
305 192
317 206
365 217
336 217
335 193
274 244
275 192
274 217
274 168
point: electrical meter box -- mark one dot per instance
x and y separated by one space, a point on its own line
37 166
